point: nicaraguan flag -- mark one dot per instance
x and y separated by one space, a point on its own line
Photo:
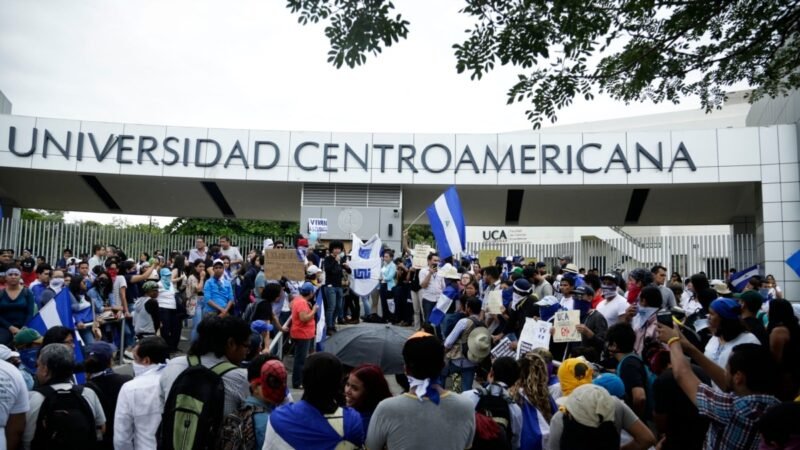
536 431
442 305
321 325
739 279
58 312
447 223
794 262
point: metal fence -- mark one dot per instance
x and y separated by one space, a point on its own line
712 254
49 239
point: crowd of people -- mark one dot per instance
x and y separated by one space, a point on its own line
667 363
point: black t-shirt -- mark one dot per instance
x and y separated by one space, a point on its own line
633 375
686 428
108 387
333 271
756 326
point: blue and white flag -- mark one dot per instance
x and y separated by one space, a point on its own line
739 279
58 312
322 327
442 305
535 429
794 262
447 223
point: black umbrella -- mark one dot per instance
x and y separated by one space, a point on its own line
373 343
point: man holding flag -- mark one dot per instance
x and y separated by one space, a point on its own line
447 223
58 312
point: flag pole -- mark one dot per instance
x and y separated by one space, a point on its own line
415 220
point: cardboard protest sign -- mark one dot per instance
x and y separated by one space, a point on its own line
535 334
420 256
488 257
566 323
283 263
494 302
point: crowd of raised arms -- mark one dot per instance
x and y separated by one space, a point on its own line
658 361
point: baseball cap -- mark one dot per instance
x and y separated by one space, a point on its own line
541 264
27 336
313 270
218 261
517 271
260 326
6 353
273 381
149 285
609 276
571 268
612 383
306 288
102 351
727 308
584 290
522 286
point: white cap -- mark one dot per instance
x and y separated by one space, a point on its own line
268 244
218 261
313 270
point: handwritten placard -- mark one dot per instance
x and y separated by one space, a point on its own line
420 256
566 326
535 334
283 263
503 348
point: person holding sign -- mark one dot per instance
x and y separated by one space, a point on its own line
590 328
218 292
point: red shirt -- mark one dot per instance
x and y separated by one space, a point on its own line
300 330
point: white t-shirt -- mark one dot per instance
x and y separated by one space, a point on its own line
232 253
120 283
719 353
612 309
166 297
13 397
435 286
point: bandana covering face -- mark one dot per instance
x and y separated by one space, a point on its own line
423 388
56 284
633 293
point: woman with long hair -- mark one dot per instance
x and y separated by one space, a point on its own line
16 306
365 387
784 344
194 294
82 310
531 393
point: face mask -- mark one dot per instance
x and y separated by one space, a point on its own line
139 369
642 315
28 358
583 307
609 291
56 284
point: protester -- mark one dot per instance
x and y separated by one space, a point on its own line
366 386
233 253
16 306
303 330
784 344
84 423
14 403
613 306
750 303
431 285
638 279
778 427
42 281
417 419
630 368
388 282
592 419
139 405
659 275
217 291
28 342
728 332
318 421
199 251
334 296
221 342
574 372
105 383
675 415
247 427
750 374
592 326
469 334
531 392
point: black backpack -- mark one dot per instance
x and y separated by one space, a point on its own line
65 420
193 410
492 419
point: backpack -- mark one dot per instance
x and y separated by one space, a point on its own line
193 410
238 429
65 420
649 379
492 419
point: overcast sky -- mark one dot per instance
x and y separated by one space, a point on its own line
249 64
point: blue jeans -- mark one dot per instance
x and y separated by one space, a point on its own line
467 375
366 301
301 347
86 335
334 305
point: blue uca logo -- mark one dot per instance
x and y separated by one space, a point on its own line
362 274
364 253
